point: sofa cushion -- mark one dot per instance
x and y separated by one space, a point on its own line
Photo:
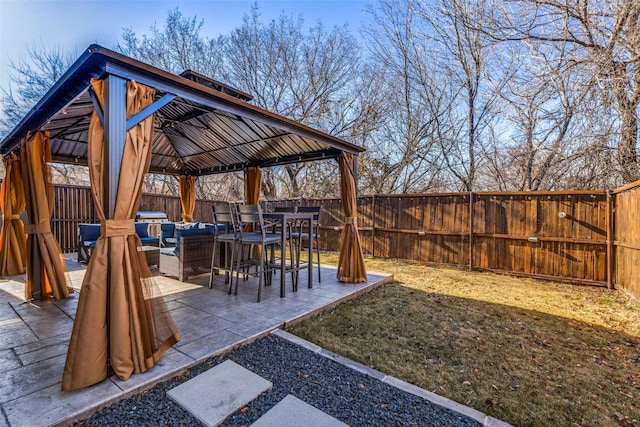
167 233
169 251
150 241
142 229
208 229
89 232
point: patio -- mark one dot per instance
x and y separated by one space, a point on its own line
35 337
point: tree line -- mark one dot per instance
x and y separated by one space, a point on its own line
445 95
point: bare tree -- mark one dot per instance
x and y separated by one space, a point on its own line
31 77
465 55
401 155
176 47
542 106
605 35
313 78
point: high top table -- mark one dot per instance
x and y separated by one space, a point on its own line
299 218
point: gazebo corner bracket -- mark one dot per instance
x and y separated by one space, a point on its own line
96 105
147 111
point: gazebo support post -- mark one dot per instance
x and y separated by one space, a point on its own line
115 137
115 134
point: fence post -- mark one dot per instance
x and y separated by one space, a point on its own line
609 237
470 230
373 225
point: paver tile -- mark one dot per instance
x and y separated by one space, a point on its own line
293 412
217 393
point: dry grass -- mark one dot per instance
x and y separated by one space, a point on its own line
528 352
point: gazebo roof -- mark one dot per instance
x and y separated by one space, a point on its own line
204 126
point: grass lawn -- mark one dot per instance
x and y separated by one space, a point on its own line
527 352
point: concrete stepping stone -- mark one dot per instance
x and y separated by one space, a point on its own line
293 412
217 393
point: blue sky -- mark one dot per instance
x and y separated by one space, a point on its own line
75 24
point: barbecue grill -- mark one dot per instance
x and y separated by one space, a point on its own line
154 218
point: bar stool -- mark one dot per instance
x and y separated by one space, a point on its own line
314 233
250 217
223 215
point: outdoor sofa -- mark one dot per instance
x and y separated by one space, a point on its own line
88 236
192 252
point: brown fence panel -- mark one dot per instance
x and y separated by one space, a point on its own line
542 234
627 238
162 203
331 221
428 228
72 205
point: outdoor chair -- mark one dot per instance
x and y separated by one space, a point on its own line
192 254
288 228
225 233
250 218
88 235
314 233
142 230
167 234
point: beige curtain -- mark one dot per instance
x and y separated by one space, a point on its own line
187 196
252 183
13 242
351 261
44 257
122 320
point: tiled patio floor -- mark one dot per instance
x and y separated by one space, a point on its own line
34 338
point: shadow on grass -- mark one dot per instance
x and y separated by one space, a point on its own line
522 366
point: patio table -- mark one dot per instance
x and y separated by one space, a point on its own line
299 218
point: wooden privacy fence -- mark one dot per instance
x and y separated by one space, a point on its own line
552 235
590 237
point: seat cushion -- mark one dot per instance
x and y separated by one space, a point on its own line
142 229
169 251
207 230
167 231
89 232
150 241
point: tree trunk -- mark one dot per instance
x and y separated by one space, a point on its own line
628 156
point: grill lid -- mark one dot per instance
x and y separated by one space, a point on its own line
141 215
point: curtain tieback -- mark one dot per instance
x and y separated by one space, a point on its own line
9 217
41 228
350 220
117 227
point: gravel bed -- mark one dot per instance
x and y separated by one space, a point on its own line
350 396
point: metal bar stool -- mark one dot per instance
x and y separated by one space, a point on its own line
223 215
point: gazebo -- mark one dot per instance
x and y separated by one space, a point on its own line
123 118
